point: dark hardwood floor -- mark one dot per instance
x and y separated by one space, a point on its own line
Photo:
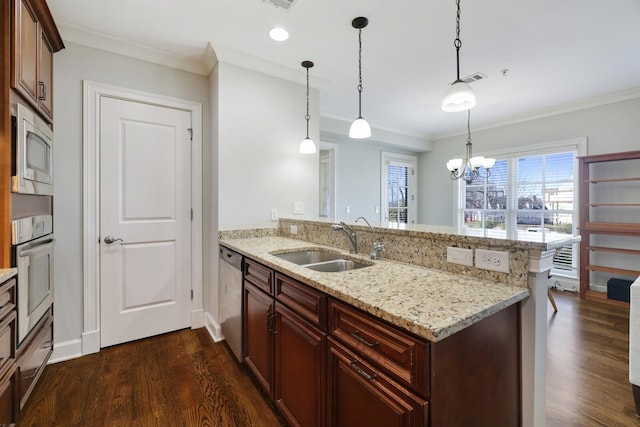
588 364
178 379
184 379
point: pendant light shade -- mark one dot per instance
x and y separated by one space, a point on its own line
460 96
360 128
307 146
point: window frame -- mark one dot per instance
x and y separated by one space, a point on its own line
577 145
412 199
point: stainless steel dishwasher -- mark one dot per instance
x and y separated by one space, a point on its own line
230 293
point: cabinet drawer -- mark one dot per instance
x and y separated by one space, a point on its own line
259 275
309 303
361 395
7 297
32 361
399 354
7 392
7 340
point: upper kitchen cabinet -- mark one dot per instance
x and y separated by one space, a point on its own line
35 39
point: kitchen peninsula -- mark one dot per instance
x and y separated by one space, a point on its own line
479 330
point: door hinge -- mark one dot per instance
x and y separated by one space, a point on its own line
191 294
191 214
413 172
190 134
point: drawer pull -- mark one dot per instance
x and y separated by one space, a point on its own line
362 373
356 335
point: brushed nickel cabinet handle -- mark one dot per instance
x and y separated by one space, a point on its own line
43 91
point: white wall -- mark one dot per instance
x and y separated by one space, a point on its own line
260 126
608 128
359 178
73 65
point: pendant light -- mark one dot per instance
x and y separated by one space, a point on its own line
307 146
360 129
468 168
459 96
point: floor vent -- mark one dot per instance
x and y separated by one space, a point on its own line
284 4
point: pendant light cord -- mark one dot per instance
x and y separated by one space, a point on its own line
457 43
307 117
359 73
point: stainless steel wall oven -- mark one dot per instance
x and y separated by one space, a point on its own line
32 240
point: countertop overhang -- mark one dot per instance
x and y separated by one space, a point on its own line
430 303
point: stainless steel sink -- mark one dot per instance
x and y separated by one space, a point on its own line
320 260
309 256
337 265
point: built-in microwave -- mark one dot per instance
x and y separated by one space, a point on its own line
33 151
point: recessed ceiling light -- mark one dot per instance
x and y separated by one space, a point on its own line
278 34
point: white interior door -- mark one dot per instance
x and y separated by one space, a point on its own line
145 206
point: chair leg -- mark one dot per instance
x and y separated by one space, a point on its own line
553 301
636 397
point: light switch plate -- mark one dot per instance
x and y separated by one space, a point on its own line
492 260
298 208
460 256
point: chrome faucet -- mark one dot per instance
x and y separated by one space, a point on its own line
377 247
352 238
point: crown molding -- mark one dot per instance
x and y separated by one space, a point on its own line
211 54
101 41
336 130
585 104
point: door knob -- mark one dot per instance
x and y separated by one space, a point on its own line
109 240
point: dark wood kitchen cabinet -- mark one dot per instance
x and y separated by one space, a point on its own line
8 385
34 40
285 343
361 394
259 312
327 363
300 352
258 339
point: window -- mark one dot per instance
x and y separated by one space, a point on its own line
398 189
530 195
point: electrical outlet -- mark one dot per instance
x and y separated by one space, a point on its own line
460 256
492 260
347 210
293 229
274 214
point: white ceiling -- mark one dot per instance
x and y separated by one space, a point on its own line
558 53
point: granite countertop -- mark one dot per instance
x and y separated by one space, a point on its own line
7 273
430 303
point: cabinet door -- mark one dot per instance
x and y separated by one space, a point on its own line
45 76
26 39
359 395
300 369
258 339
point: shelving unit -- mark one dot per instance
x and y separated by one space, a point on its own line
593 188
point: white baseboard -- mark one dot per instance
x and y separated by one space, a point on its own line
197 318
90 342
213 327
564 283
66 350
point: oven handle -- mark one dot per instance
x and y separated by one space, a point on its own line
36 248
